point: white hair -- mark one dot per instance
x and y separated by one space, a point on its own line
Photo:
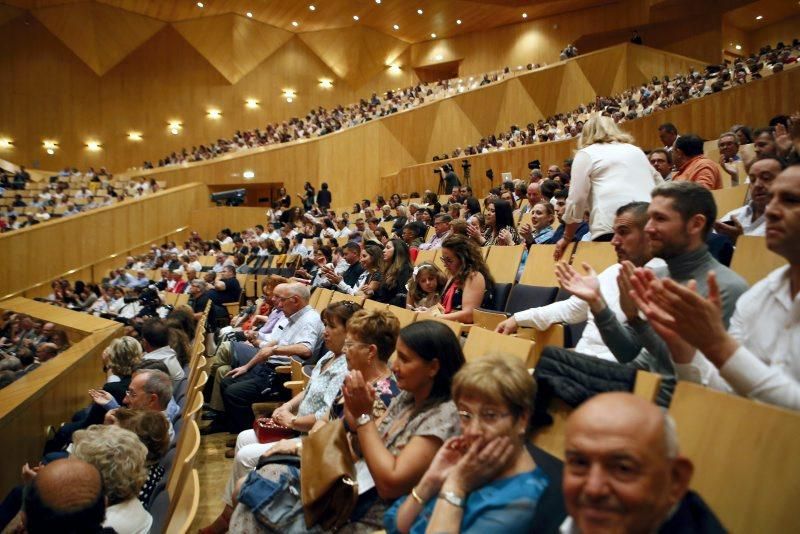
671 446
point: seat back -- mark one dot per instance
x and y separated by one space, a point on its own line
523 297
487 319
741 450
325 296
455 326
338 296
729 198
540 266
503 263
406 317
374 305
427 256
482 342
185 454
597 254
752 260
187 502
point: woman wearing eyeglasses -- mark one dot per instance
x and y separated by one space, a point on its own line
484 480
470 285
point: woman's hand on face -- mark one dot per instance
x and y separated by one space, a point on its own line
481 464
443 463
358 395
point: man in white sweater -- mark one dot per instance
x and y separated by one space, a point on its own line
631 243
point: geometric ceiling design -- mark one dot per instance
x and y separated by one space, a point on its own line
355 55
355 38
233 44
100 35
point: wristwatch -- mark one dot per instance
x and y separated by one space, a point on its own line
452 498
363 419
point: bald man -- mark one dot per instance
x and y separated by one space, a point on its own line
623 471
49 508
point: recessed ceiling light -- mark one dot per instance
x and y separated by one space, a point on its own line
312 7
524 15
439 57
738 47
295 23
458 21
327 84
759 17
433 36
174 131
355 17
251 103
249 14
50 145
93 145
5 143
200 5
248 175
134 136
419 12
51 151
214 114
377 1
394 69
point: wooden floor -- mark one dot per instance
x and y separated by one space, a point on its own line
214 470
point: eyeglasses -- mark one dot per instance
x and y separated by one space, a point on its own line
130 393
488 418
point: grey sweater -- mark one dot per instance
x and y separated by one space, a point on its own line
637 344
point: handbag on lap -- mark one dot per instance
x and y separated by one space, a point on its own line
328 484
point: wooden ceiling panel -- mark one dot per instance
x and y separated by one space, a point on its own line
9 12
234 45
772 11
355 55
98 34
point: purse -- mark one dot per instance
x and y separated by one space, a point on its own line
328 484
268 431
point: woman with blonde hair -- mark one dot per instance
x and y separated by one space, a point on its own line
608 171
120 457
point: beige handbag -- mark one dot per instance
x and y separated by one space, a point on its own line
328 484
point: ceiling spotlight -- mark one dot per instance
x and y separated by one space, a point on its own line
355 17
50 145
214 114
458 21
50 151
249 14
174 131
200 5
524 15
289 95
394 69
377 1
419 12
433 36
175 127
248 175
519 67
5 143
134 136
295 23
327 84
439 57
93 145
759 17
312 7
396 27
738 47
289 99
251 103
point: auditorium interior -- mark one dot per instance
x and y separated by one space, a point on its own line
275 205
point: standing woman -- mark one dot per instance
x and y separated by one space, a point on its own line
307 198
283 198
324 198
397 270
470 285
608 171
500 229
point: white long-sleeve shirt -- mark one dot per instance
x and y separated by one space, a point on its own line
574 310
606 176
767 365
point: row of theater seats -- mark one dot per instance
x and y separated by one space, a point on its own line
175 501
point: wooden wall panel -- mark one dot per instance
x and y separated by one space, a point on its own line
49 395
785 30
37 254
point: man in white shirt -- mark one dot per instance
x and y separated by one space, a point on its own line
631 243
759 355
155 341
443 231
750 219
341 229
